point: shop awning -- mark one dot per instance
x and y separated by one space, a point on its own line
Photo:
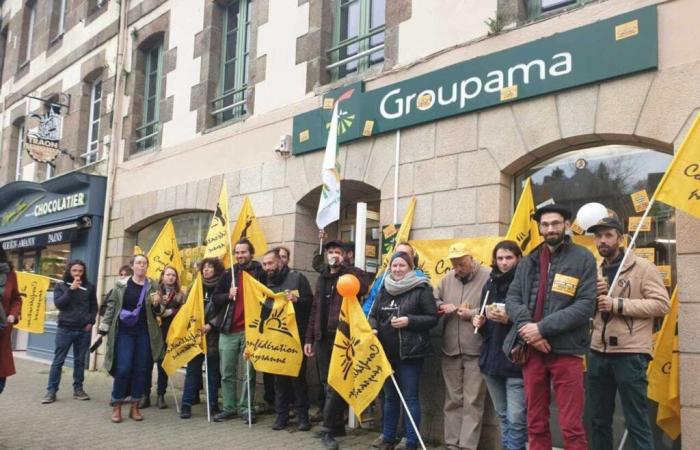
40 237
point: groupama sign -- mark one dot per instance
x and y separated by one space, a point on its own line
618 46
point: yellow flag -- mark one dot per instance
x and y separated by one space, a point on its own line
271 335
138 251
680 185
358 365
164 252
32 288
185 339
432 254
664 373
217 241
401 235
247 226
523 228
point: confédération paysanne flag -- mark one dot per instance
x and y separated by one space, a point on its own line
271 335
217 241
523 228
664 373
358 366
402 234
32 288
164 252
680 185
185 339
247 226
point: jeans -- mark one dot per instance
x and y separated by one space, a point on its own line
508 396
231 347
132 354
65 338
3 380
334 405
193 377
294 389
162 380
626 374
407 375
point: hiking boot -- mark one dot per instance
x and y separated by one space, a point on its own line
134 412
145 402
50 397
79 394
329 441
223 416
117 412
185 412
160 402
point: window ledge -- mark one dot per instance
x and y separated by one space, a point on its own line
228 123
58 38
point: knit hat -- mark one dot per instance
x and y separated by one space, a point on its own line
405 256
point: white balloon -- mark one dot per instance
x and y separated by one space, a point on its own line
590 213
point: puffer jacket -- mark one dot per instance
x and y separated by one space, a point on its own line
566 319
293 280
418 304
76 308
639 296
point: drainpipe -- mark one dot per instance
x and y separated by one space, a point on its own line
113 156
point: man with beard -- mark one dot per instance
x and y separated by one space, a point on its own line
281 278
230 314
323 324
621 341
550 302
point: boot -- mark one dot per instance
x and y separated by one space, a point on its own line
145 402
303 418
116 412
160 402
134 412
386 446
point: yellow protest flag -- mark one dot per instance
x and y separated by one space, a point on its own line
32 288
164 252
217 240
247 226
664 373
358 365
523 228
432 254
402 234
185 339
271 335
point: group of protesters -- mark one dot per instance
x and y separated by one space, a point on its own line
517 330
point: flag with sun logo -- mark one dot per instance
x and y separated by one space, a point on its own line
358 365
271 336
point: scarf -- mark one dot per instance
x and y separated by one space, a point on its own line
407 283
278 277
545 259
501 281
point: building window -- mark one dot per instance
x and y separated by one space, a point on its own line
28 33
93 141
147 133
233 80
19 168
58 19
538 8
358 36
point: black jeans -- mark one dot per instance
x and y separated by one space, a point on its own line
294 389
334 406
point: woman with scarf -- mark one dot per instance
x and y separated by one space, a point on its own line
504 379
134 338
10 304
211 270
402 315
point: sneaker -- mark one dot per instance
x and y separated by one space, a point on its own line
279 424
50 397
329 442
80 394
223 416
186 412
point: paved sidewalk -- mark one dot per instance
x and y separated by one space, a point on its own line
27 424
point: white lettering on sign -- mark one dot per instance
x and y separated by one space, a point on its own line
60 204
55 237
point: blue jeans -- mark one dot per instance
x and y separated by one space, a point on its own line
132 354
65 338
407 375
193 377
508 396
2 384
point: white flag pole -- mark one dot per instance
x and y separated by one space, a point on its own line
397 152
408 413
206 385
483 308
624 439
247 376
172 389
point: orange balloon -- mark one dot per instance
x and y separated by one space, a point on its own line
348 285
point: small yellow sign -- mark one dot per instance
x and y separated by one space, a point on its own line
369 126
304 136
626 30
634 223
640 200
647 253
328 103
564 284
509 93
665 272
576 228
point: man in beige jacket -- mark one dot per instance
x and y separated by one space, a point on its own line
458 297
621 341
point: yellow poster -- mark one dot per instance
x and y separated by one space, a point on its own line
164 252
358 365
247 226
271 335
634 223
640 200
32 288
647 253
523 228
217 240
665 272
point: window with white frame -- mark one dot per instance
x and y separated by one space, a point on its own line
147 133
93 141
61 17
29 32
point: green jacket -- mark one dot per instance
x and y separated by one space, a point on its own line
110 322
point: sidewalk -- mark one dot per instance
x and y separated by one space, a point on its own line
68 423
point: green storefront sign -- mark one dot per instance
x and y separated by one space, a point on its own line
621 45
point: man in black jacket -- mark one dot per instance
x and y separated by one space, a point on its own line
281 279
550 302
77 308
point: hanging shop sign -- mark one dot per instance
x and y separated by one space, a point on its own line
621 45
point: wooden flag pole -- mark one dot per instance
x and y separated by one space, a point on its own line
408 413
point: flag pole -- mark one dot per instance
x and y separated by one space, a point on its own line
247 376
206 385
172 389
483 308
408 413
624 439
397 152
56 280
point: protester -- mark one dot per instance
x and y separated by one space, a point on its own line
550 303
323 324
284 254
458 296
504 379
281 278
77 310
230 314
124 273
11 306
622 338
168 299
134 338
211 270
402 315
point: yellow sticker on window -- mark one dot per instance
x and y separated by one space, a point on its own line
564 284
509 93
